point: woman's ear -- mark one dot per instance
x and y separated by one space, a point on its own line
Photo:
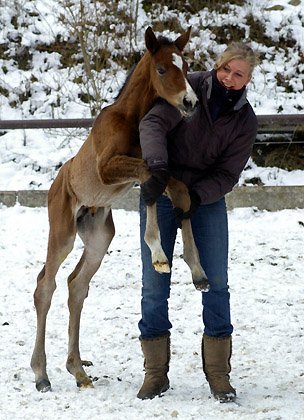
248 80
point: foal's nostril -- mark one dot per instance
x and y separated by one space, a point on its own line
186 103
189 104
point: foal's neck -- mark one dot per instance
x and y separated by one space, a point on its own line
139 95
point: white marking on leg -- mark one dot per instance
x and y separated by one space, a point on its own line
152 239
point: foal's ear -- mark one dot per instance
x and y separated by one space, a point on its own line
151 41
182 41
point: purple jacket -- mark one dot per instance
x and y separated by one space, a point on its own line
207 156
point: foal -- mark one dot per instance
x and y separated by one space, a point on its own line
105 168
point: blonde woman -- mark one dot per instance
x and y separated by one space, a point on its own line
207 152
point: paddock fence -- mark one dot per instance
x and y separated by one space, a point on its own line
276 123
261 197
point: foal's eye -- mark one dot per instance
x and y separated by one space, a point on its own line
161 71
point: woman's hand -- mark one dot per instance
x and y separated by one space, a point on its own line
153 188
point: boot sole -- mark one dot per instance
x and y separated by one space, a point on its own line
150 396
227 398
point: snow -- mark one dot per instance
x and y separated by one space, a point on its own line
272 176
36 165
265 282
266 303
31 158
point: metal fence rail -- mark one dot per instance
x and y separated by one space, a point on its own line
269 198
281 123
50 123
277 123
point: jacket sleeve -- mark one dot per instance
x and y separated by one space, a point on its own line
153 130
225 173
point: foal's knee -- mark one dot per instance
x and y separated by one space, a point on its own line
178 194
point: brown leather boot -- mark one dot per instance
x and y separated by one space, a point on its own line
157 355
216 354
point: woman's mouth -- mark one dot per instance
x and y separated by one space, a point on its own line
227 86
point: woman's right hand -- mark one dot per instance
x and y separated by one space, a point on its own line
154 187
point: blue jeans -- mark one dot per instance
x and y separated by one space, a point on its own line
210 230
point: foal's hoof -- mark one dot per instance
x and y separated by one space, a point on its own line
86 363
202 285
85 383
43 386
161 267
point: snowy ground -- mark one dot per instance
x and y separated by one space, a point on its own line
266 264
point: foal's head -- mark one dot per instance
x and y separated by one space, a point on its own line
168 71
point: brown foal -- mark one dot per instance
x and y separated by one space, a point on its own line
105 168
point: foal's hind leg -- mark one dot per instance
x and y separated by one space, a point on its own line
61 239
178 193
96 229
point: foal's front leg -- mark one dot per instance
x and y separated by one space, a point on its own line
191 257
152 239
121 169
180 198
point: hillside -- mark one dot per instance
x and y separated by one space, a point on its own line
62 60
67 59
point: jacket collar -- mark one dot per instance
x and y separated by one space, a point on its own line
240 103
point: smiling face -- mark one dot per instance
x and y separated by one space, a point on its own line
234 75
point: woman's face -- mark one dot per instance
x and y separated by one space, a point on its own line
234 75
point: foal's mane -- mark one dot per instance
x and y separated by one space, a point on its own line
126 81
162 41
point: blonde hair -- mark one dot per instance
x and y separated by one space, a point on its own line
237 51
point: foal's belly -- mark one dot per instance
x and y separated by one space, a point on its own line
87 186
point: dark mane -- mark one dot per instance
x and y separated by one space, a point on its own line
126 81
163 40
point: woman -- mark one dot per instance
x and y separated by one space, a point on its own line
207 152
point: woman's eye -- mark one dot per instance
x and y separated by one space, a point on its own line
161 71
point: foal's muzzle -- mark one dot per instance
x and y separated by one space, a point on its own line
188 107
